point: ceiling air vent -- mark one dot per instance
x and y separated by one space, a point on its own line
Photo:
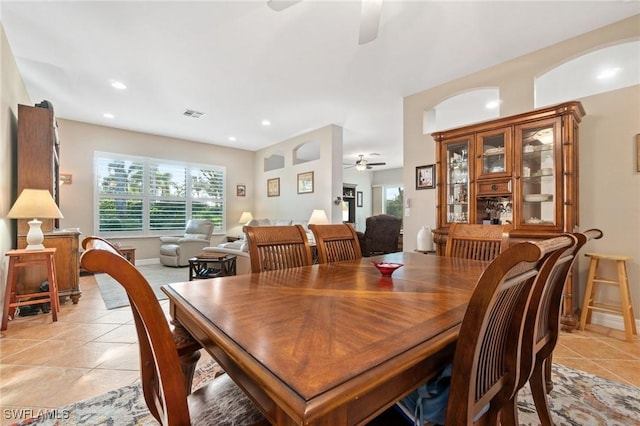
193 114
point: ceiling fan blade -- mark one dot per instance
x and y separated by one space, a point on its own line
376 164
369 20
279 5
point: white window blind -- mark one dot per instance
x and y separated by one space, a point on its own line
150 196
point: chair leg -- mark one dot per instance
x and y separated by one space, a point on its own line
509 412
547 370
585 315
538 385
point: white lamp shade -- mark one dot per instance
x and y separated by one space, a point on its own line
318 217
245 217
33 204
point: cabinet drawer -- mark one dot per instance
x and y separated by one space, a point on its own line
494 187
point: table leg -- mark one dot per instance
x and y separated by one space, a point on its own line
188 351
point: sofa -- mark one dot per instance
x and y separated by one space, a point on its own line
240 248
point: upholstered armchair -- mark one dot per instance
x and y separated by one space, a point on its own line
381 235
176 251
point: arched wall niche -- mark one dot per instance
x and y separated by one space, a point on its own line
274 162
468 107
598 71
306 151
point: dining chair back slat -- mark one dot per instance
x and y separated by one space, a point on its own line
479 242
277 247
336 243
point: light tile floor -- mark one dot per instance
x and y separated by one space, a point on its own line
91 350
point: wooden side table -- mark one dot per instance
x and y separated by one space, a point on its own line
27 258
222 265
129 253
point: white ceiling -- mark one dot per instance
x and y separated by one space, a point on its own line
302 68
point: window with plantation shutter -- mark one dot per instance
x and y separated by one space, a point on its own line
150 196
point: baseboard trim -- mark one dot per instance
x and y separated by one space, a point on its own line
610 320
148 262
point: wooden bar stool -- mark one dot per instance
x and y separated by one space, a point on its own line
24 258
590 304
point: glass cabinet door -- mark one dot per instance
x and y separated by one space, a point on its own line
539 184
457 187
494 153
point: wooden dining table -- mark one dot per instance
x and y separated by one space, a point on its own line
331 344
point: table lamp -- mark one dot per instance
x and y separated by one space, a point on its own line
245 217
33 204
318 217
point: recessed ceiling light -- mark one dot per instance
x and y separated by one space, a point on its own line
492 104
608 73
232 138
108 115
118 85
266 123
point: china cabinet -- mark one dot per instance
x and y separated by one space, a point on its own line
38 157
520 170
38 166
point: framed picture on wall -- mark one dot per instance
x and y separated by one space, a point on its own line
426 177
241 190
305 183
359 199
273 187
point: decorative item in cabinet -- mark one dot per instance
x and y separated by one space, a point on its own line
457 182
66 259
494 153
539 187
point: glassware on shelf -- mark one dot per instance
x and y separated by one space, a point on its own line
538 181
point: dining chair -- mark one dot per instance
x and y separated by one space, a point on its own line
93 241
277 247
336 243
485 371
166 392
479 242
542 325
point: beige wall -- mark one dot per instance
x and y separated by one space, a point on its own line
12 93
79 141
609 182
327 178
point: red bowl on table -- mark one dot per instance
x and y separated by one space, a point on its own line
386 268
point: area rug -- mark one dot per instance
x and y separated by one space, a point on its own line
577 399
114 295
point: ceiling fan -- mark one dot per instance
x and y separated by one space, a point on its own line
362 164
369 16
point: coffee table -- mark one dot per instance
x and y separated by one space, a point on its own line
211 265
